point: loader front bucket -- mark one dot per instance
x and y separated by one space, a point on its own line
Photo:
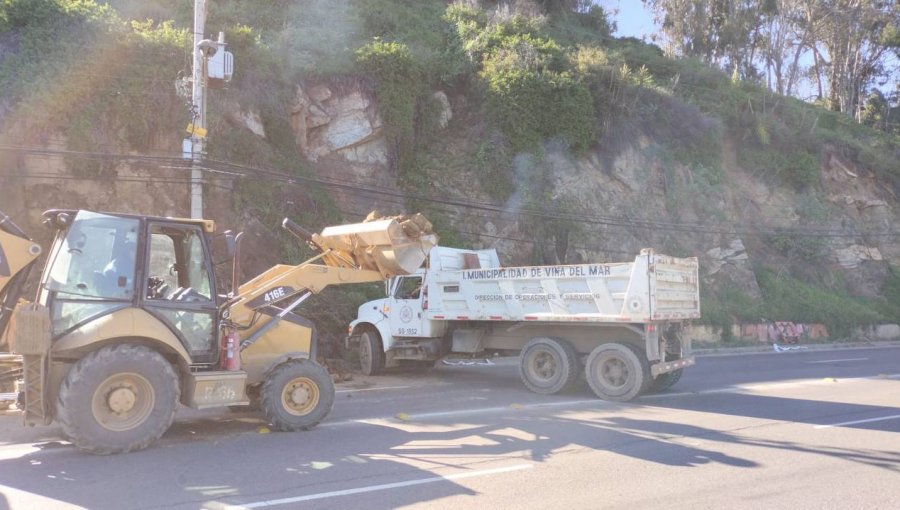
386 245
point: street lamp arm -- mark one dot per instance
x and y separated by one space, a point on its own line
208 47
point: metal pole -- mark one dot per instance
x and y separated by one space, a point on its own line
198 100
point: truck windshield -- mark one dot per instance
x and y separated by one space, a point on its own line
95 258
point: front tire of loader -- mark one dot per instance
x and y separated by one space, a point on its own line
118 399
371 353
297 395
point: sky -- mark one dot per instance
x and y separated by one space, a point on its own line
633 20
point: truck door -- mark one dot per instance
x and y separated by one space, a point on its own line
180 289
406 306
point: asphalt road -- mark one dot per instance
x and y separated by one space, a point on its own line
809 429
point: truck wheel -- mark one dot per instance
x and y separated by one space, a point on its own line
665 381
617 372
117 399
297 395
371 353
548 365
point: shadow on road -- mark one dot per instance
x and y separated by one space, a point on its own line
223 459
813 412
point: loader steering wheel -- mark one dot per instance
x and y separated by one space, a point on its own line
157 288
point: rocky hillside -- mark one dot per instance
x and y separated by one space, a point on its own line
517 126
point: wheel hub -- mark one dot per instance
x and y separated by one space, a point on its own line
300 396
544 365
121 400
614 372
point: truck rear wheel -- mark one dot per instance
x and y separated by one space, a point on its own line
617 371
117 399
548 365
371 353
297 395
665 381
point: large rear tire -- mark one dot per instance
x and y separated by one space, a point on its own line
297 395
617 371
118 399
371 353
548 365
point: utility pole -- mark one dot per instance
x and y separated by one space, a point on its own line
198 110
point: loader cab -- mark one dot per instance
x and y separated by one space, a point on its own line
102 263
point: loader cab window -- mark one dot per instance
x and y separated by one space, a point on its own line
177 266
95 258
179 286
91 269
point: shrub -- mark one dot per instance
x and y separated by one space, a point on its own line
789 299
798 168
530 107
399 85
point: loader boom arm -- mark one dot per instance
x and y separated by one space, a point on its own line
358 253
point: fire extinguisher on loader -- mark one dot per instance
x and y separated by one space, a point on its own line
231 354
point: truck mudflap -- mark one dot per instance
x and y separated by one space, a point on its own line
671 366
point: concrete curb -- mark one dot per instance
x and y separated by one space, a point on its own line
768 348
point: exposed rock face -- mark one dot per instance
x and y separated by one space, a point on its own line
339 130
731 265
628 200
851 256
345 125
249 119
446 112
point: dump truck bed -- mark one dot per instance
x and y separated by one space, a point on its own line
651 288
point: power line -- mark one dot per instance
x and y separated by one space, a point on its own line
504 213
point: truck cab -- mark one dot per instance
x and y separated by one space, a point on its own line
394 327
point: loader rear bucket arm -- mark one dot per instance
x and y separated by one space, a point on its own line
17 256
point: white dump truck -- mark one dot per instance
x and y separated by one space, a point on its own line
621 321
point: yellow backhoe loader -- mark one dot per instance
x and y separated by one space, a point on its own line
129 321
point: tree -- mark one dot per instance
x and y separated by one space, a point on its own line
848 41
724 33
856 36
784 38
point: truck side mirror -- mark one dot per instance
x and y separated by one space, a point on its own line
230 243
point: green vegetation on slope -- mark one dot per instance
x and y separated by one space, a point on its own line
532 79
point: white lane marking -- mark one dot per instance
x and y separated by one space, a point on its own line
382 487
855 422
375 389
14 451
17 498
838 360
